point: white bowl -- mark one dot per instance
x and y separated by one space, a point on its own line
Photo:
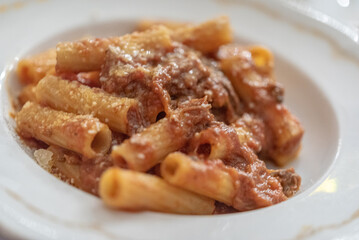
317 65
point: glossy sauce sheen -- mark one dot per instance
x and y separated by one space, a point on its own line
164 79
181 74
190 90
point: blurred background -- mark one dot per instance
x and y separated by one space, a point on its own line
345 11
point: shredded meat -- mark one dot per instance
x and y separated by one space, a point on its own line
163 80
222 208
289 180
259 187
80 171
221 109
90 172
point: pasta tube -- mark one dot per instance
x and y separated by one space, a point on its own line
196 176
130 190
147 148
205 37
216 142
147 24
286 132
89 54
250 71
32 69
27 94
213 179
80 133
121 114
220 141
68 171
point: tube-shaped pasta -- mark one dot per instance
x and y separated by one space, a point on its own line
172 25
121 114
80 133
261 56
251 73
32 69
220 141
89 54
147 148
252 88
205 37
215 142
68 172
286 132
81 56
225 184
206 179
27 94
130 190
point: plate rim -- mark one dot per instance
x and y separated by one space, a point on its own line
334 109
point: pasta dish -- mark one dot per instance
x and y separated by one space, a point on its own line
173 117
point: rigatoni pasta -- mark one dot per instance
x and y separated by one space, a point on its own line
80 133
215 180
205 37
130 190
27 94
89 54
32 69
121 114
196 176
147 148
172 118
251 73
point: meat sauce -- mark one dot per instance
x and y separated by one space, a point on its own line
165 79
174 78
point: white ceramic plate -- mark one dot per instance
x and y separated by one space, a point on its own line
317 63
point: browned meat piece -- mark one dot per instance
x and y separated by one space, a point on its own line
222 208
289 180
162 81
259 189
91 171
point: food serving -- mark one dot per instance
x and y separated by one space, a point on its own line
173 117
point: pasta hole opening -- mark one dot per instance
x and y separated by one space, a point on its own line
204 149
113 188
171 168
160 115
102 141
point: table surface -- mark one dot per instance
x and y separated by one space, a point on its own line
345 11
